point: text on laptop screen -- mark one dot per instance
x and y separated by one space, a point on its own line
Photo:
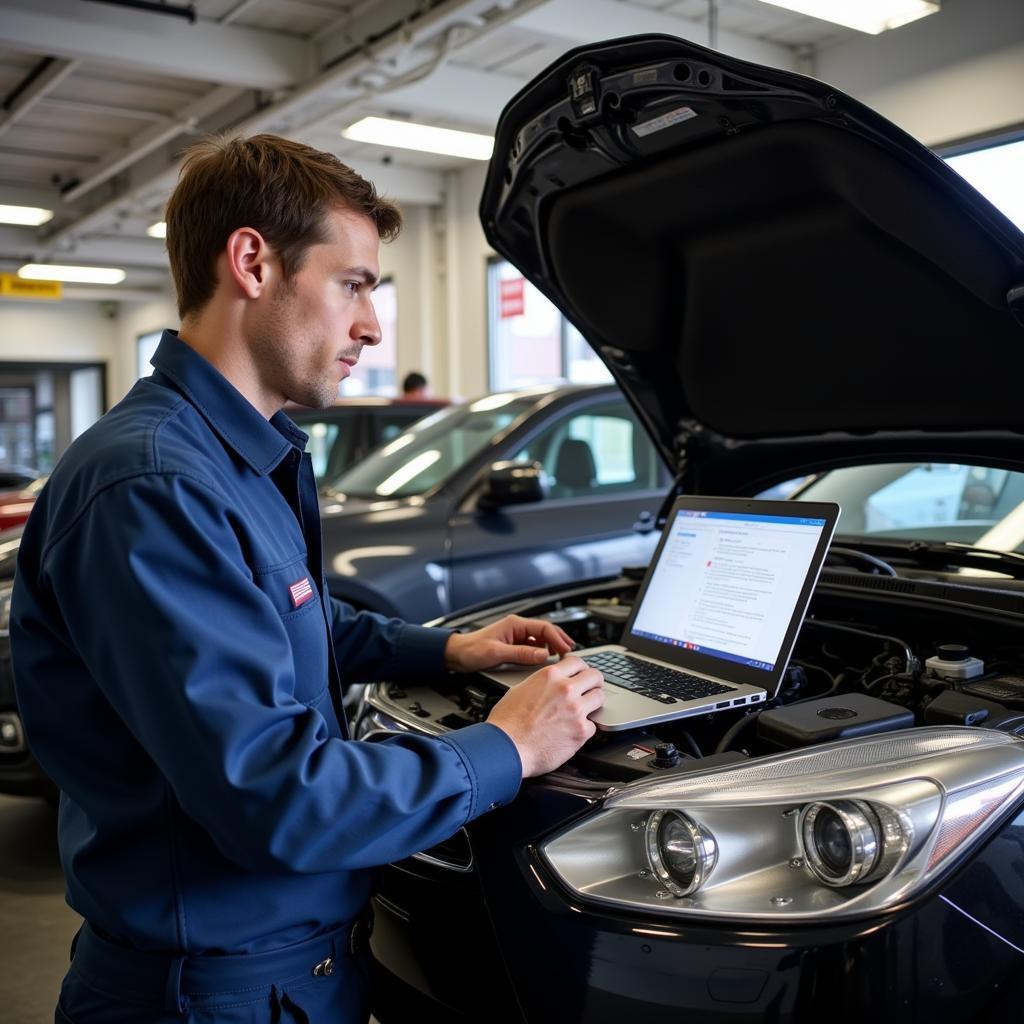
726 584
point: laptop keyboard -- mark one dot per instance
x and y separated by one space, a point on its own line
666 685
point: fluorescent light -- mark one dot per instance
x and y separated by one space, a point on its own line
30 215
872 16
76 275
157 230
425 138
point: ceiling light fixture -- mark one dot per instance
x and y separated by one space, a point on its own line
33 216
872 16
73 275
424 138
157 230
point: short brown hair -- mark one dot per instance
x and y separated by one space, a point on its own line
280 188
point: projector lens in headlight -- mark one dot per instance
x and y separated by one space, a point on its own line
843 841
681 853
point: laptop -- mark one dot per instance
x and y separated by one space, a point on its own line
717 614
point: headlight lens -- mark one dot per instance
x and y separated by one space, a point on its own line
842 841
840 830
682 854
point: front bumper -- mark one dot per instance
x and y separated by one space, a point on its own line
506 940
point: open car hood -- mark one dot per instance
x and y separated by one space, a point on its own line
779 279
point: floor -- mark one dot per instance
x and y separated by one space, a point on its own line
36 925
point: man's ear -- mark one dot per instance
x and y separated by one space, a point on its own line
251 262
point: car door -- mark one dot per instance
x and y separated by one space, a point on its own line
606 482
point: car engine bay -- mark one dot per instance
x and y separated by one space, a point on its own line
875 654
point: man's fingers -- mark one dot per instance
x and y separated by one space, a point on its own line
593 699
539 632
578 675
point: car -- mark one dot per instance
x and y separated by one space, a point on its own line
491 498
13 478
786 287
15 506
480 500
342 434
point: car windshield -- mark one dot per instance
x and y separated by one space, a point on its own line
929 501
428 453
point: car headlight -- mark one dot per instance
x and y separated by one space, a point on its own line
5 606
840 830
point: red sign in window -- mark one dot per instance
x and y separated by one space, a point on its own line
513 297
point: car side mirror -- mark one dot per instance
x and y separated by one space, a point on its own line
513 483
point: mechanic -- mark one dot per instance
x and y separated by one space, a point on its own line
179 662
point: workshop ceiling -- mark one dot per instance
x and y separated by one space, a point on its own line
100 99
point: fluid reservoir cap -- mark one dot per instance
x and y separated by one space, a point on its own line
953 652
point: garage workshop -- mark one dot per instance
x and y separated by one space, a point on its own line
511 511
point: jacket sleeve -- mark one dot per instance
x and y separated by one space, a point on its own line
370 646
196 662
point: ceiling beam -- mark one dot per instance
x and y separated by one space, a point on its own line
606 19
152 138
206 51
302 111
49 77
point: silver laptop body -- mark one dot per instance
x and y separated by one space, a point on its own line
718 612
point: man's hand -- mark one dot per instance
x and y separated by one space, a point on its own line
513 639
545 716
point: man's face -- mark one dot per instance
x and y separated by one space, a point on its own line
308 334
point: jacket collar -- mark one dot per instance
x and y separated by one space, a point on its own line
239 424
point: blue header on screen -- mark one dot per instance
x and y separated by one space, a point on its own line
749 517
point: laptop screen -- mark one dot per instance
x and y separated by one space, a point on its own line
732 585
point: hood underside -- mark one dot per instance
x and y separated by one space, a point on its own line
759 259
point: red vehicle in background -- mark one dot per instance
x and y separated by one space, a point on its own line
16 505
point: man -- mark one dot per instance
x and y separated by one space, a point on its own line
178 660
414 386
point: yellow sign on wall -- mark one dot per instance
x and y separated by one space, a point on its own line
14 287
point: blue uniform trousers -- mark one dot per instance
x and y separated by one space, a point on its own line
313 982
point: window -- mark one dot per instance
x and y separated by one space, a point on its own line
432 450
996 171
927 500
601 449
376 370
530 342
145 347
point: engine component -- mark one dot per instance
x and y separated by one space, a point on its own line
954 662
1004 689
830 718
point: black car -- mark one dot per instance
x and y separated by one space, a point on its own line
785 286
476 502
493 498
343 434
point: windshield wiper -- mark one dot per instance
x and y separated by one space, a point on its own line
941 555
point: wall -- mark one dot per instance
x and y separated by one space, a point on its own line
69 332
953 75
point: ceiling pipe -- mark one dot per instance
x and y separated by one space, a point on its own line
187 11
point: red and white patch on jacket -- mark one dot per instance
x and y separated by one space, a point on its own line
301 592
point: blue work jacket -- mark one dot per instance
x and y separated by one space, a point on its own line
177 661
